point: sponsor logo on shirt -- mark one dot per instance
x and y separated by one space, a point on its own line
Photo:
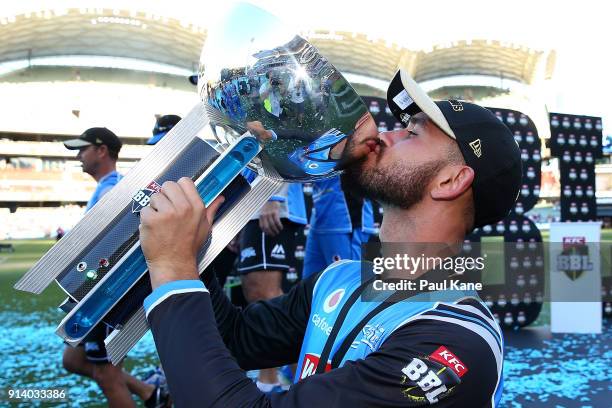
446 357
309 365
372 334
417 371
333 300
321 323
142 198
247 253
427 381
278 252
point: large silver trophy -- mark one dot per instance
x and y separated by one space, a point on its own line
274 104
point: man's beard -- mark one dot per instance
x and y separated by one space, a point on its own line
399 185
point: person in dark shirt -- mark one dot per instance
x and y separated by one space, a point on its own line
453 168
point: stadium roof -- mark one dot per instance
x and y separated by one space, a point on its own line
357 54
131 39
124 35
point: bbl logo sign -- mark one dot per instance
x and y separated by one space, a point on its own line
574 258
142 198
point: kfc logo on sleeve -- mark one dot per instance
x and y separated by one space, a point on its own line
446 357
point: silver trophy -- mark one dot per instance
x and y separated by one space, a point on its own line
279 112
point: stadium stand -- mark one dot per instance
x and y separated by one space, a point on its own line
124 68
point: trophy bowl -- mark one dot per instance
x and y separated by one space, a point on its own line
256 75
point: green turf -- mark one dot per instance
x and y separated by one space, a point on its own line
26 253
14 265
18 308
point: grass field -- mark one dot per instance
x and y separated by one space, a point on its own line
30 353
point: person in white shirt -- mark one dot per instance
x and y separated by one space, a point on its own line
298 88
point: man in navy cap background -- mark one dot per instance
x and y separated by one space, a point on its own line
98 153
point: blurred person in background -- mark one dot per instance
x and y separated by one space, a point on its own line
298 90
163 125
98 151
59 233
267 255
271 93
340 222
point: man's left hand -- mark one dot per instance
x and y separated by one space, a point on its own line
173 228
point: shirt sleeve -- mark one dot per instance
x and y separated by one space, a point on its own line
263 334
426 362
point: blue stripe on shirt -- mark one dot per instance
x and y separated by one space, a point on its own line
475 320
179 286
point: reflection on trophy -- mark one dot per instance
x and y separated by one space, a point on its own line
302 100
274 105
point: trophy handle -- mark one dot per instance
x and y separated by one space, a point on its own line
121 340
79 322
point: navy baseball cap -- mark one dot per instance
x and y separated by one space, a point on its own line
163 126
487 145
96 136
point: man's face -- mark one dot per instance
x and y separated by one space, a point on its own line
396 167
89 158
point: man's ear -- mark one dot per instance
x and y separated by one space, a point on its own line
452 182
103 151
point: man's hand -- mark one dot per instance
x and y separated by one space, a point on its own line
269 218
234 244
257 129
173 229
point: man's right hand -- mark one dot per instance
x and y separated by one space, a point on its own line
269 218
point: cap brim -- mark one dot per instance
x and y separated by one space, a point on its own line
406 96
74 144
156 138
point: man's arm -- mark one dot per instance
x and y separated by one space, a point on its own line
426 362
264 333
201 371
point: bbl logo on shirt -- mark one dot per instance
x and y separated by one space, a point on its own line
425 380
142 198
